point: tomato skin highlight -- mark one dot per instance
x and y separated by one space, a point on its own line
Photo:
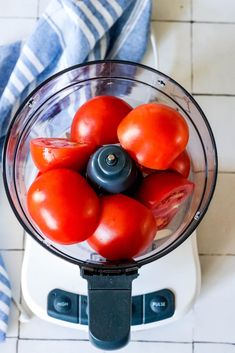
51 153
126 228
96 121
181 164
63 206
163 193
154 135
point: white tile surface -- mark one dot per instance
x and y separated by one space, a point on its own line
213 58
215 309
42 6
179 10
220 113
48 331
174 53
11 232
216 233
178 331
215 348
20 8
15 29
13 262
9 346
214 10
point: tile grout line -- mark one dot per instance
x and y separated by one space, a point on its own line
192 21
226 172
215 254
18 249
212 342
152 341
136 341
87 340
18 17
214 94
17 345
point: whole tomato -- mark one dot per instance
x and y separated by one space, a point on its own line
163 193
154 135
181 164
51 153
96 121
126 228
63 206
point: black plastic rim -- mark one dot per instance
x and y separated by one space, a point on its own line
113 266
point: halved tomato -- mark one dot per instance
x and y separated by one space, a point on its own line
163 219
163 193
51 153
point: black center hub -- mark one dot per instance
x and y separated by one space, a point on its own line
111 169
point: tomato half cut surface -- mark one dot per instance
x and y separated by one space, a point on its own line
51 153
164 218
154 135
63 206
126 228
163 193
96 121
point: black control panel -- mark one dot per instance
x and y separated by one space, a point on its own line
146 308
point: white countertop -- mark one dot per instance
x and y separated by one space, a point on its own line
196 47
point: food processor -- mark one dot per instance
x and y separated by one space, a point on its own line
71 284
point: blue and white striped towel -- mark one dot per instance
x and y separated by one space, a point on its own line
70 32
5 300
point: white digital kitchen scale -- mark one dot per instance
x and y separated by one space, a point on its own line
164 291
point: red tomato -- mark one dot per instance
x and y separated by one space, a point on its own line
63 206
181 164
154 135
51 153
126 229
96 121
163 193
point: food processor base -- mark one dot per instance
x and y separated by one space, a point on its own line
164 291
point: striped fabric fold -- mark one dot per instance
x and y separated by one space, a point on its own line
5 300
71 32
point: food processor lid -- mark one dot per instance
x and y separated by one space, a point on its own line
40 111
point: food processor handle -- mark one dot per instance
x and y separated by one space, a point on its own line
109 308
